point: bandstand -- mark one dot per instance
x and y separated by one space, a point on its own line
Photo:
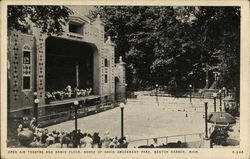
59 69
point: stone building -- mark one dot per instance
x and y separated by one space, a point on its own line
81 57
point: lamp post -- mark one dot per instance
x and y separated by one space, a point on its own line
218 79
220 99
156 91
206 136
207 83
214 95
36 102
126 93
190 93
224 91
122 126
76 103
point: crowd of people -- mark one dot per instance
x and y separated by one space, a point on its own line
74 139
67 93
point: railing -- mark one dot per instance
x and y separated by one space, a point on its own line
92 109
196 93
166 139
54 118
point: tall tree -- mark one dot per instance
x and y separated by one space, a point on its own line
49 18
220 28
173 45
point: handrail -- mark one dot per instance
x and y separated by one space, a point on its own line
64 112
166 137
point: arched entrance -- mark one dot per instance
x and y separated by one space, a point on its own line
69 63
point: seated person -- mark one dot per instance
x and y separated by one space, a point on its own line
87 92
90 91
83 92
68 91
54 95
49 97
57 95
77 92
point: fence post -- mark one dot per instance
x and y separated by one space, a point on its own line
166 140
185 138
147 141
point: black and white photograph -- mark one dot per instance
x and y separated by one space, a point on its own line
117 77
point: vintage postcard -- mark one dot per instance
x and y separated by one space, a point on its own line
125 79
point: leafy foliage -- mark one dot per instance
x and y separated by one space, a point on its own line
49 18
172 46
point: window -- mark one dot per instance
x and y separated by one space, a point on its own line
26 67
106 98
106 78
26 82
76 28
26 57
106 62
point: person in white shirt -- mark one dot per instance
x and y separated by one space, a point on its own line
87 141
50 140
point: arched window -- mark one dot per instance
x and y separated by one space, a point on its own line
26 57
26 67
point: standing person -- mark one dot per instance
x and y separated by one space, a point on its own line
19 129
155 142
79 135
33 124
96 140
44 136
65 139
82 141
113 143
87 141
37 135
106 141
123 142
56 135
50 140
74 138
69 91
61 135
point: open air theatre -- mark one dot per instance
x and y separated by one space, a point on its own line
47 74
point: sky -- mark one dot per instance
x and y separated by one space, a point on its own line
80 9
